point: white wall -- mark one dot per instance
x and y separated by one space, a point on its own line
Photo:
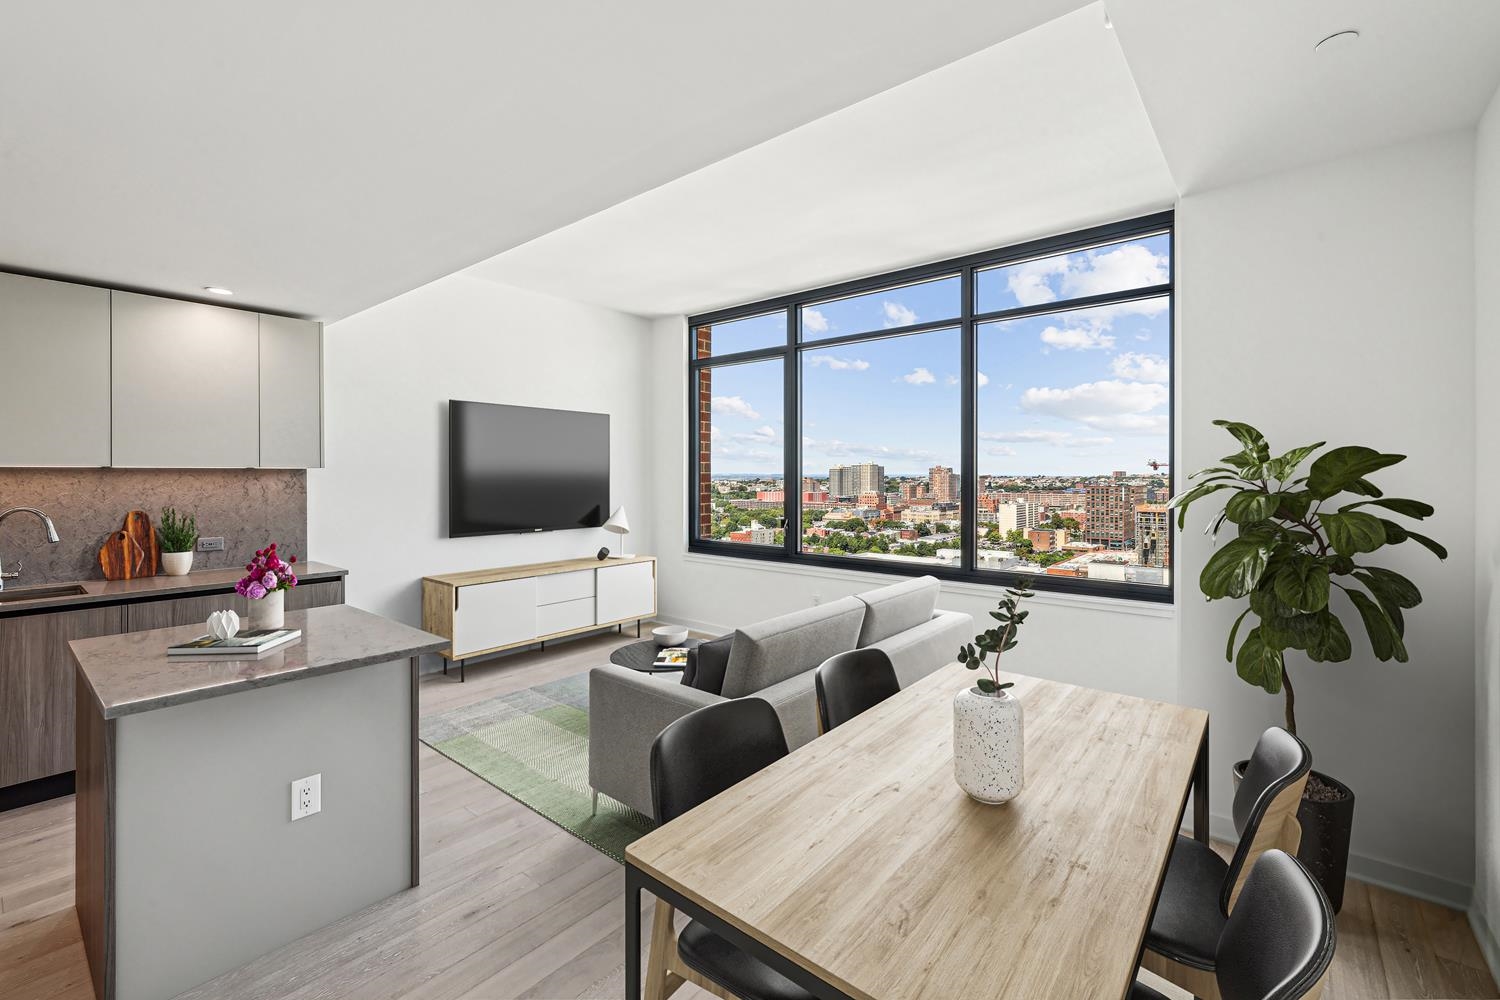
1487 528
716 594
1336 302
379 508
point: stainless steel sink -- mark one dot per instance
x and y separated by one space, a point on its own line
12 596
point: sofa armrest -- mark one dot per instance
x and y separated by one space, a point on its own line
796 702
627 711
919 651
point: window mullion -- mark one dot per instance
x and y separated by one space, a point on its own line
968 483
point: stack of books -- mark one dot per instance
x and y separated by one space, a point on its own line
671 658
256 642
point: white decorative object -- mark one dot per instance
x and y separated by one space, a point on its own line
269 611
619 523
669 635
223 624
988 759
176 563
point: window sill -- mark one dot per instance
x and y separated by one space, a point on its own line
964 588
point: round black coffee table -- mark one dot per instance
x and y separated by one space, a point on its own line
642 656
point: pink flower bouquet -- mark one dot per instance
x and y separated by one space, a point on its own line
266 574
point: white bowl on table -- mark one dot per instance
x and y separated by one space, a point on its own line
669 635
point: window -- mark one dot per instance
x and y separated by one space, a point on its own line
1006 414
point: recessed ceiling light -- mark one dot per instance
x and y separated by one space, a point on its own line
1337 40
217 290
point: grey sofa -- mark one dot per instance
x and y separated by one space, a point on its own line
775 660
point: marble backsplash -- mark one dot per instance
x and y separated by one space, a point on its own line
247 507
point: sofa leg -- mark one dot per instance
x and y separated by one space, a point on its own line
595 810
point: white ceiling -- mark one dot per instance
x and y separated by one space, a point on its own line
321 157
1235 90
1034 136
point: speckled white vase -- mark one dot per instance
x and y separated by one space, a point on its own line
988 759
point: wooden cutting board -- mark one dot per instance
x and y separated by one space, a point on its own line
121 557
138 526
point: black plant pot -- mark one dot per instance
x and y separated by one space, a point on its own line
1325 835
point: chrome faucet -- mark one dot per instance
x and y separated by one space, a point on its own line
46 522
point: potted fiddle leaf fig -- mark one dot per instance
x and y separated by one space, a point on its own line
1302 559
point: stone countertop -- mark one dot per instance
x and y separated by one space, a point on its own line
132 673
149 587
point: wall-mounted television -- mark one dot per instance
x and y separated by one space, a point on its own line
522 468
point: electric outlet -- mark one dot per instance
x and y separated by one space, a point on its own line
215 544
307 796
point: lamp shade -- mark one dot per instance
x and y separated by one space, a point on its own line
619 522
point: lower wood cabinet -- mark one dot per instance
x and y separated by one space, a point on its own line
36 688
37 669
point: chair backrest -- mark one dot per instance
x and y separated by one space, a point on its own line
707 751
1280 938
1265 806
848 683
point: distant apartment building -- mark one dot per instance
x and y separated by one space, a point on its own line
1047 539
852 480
810 485
814 496
1016 515
771 496
756 534
1118 474
1079 517
1153 535
911 490
1111 515
942 483
872 498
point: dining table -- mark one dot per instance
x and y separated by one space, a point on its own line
858 868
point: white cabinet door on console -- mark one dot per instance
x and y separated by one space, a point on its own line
626 592
494 614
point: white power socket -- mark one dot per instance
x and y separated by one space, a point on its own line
307 796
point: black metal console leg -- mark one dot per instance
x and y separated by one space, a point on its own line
637 628
461 665
632 935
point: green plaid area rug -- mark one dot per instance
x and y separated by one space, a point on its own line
533 745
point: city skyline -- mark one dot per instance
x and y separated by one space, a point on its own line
1064 393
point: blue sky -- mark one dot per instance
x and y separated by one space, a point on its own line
1077 392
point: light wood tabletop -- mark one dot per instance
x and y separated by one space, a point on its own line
859 868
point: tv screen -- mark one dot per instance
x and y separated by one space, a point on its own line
521 468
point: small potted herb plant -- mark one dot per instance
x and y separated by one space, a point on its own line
177 535
988 762
1302 561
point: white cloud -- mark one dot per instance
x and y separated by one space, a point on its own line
1111 404
1040 436
1074 338
838 364
735 405
919 376
1141 367
984 380
1031 282
814 321
764 435
835 448
1001 451
1143 337
953 380
1100 271
898 315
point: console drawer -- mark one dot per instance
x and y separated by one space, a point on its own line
556 588
565 617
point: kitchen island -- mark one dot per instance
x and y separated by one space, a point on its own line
189 863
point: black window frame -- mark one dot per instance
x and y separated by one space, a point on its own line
968 322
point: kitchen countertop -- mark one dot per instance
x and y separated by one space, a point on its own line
132 673
145 588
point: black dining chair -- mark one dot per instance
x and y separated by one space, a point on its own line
851 682
692 760
1200 889
1279 941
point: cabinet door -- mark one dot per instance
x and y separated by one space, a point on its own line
54 342
36 689
491 615
291 393
185 384
315 595
626 592
181 611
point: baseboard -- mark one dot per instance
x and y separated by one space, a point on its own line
1385 874
38 790
1488 944
707 628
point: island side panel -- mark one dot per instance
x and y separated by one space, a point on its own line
210 868
93 846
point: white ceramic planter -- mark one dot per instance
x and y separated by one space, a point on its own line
269 611
176 563
988 757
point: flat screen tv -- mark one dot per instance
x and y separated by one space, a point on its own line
521 468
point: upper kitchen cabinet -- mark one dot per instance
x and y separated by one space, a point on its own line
185 384
54 353
291 393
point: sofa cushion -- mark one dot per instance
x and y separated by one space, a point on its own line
896 608
777 648
706 663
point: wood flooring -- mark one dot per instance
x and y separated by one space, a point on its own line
513 907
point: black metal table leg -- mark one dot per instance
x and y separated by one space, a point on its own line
632 933
461 665
637 628
1200 790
